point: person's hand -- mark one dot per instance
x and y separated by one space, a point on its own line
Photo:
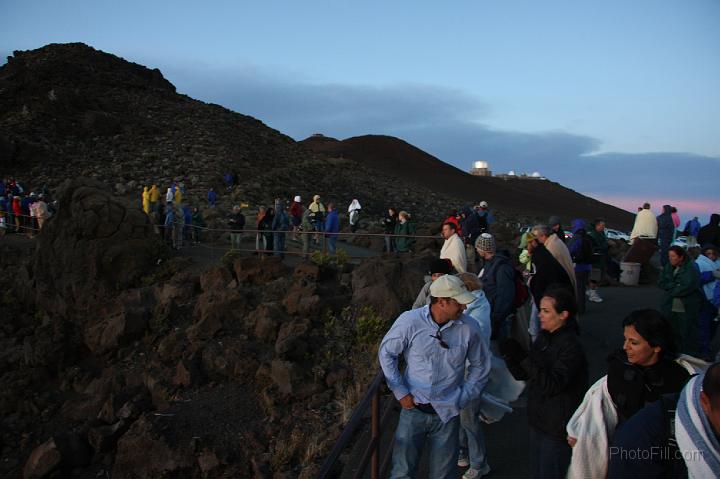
571 441
407 402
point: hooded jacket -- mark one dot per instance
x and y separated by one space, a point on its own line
498 277
705 265
710 233
576 245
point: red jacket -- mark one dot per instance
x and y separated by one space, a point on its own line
17 210
296 209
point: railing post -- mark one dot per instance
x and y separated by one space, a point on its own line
375 428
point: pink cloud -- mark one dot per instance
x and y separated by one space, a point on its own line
686 208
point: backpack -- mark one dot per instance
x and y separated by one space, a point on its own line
521 290
584 255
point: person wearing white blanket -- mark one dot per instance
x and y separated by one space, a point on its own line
641 373
453 248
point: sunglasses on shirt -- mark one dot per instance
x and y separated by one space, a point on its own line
438 336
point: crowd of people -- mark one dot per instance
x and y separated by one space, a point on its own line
465 334
23 211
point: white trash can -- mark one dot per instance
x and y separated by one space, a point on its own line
630 273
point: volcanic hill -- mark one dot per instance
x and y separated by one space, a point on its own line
68 111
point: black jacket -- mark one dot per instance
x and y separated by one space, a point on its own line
557 372
710 233
632 387
547 271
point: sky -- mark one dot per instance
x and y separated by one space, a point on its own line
616 99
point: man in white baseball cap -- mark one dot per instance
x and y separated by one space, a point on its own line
436 341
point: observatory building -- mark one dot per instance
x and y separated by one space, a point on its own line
480 168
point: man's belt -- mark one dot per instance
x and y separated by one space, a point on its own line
426 408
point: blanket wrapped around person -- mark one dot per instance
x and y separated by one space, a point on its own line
695 436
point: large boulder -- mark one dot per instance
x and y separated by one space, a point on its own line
95 245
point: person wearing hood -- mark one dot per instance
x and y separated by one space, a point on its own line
332 227
354 214
555 224
645 226
453 248
709 266
683 299
666 233
146 200
710 233
438 268
692 229
296 214
556 369
154 197
581 252
498 278
317 216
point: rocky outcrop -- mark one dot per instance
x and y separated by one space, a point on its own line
95 245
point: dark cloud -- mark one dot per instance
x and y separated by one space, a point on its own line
449 124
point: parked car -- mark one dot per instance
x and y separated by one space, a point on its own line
616 235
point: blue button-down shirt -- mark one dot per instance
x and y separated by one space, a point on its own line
434 374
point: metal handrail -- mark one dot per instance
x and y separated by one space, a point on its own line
372 452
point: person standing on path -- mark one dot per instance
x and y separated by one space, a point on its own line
666 233
453 248
332 227
280 224
436 341
354 214
600 254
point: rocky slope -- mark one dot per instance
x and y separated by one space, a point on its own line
117 361
516 198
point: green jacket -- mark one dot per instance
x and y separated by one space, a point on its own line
405 244
685 284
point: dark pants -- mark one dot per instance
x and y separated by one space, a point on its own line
581 278
706 328
279 244
664 244
549 456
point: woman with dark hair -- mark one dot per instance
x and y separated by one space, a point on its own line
644 369
683 298
556 371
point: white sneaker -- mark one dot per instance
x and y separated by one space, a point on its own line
476 473
463 462
595 297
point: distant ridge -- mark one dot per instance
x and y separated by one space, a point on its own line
394 157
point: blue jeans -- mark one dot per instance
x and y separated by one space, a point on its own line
389 244
549 456
279 243
331 244
472 438
413 430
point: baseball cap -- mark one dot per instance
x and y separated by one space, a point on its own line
450 286
483 204
297 199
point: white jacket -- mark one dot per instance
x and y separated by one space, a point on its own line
454 249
